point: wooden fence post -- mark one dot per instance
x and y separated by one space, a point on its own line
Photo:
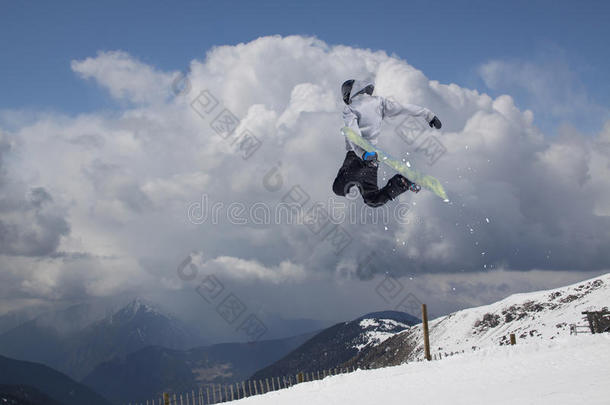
165 398
424 312
513 339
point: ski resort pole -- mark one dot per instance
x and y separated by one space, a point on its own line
424 312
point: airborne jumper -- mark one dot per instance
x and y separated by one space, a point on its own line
363 114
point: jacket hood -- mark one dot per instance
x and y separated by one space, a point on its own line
361 86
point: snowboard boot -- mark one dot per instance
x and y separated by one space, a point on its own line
398 184
370 159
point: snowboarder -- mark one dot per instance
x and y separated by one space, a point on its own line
363 113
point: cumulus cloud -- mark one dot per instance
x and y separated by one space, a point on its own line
124 76
31 224
245 135
246 270
549 85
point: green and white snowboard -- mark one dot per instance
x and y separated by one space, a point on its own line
423 180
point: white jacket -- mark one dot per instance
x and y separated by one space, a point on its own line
364 114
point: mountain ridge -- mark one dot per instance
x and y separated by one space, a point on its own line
542 315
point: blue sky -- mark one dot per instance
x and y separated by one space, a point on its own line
448 41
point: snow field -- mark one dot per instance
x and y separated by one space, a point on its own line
566 370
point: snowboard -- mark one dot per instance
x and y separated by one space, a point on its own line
426 181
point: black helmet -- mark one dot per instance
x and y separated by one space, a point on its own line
362 87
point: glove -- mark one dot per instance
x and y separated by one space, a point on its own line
436 123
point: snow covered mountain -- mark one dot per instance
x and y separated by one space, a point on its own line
339 343
68 341
541 315
547 366
133 327
565 370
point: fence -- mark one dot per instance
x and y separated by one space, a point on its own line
218 393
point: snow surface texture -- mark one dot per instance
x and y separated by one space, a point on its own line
540 315
377 331
566 370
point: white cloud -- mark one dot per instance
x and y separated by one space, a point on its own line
549 86
125 181
251 270
125 77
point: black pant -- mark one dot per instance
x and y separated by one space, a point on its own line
355 172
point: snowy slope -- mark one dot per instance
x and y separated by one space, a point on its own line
540 315
376 331
334 346
566 370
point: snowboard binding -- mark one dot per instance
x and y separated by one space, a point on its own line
370 158
414 187
409 185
